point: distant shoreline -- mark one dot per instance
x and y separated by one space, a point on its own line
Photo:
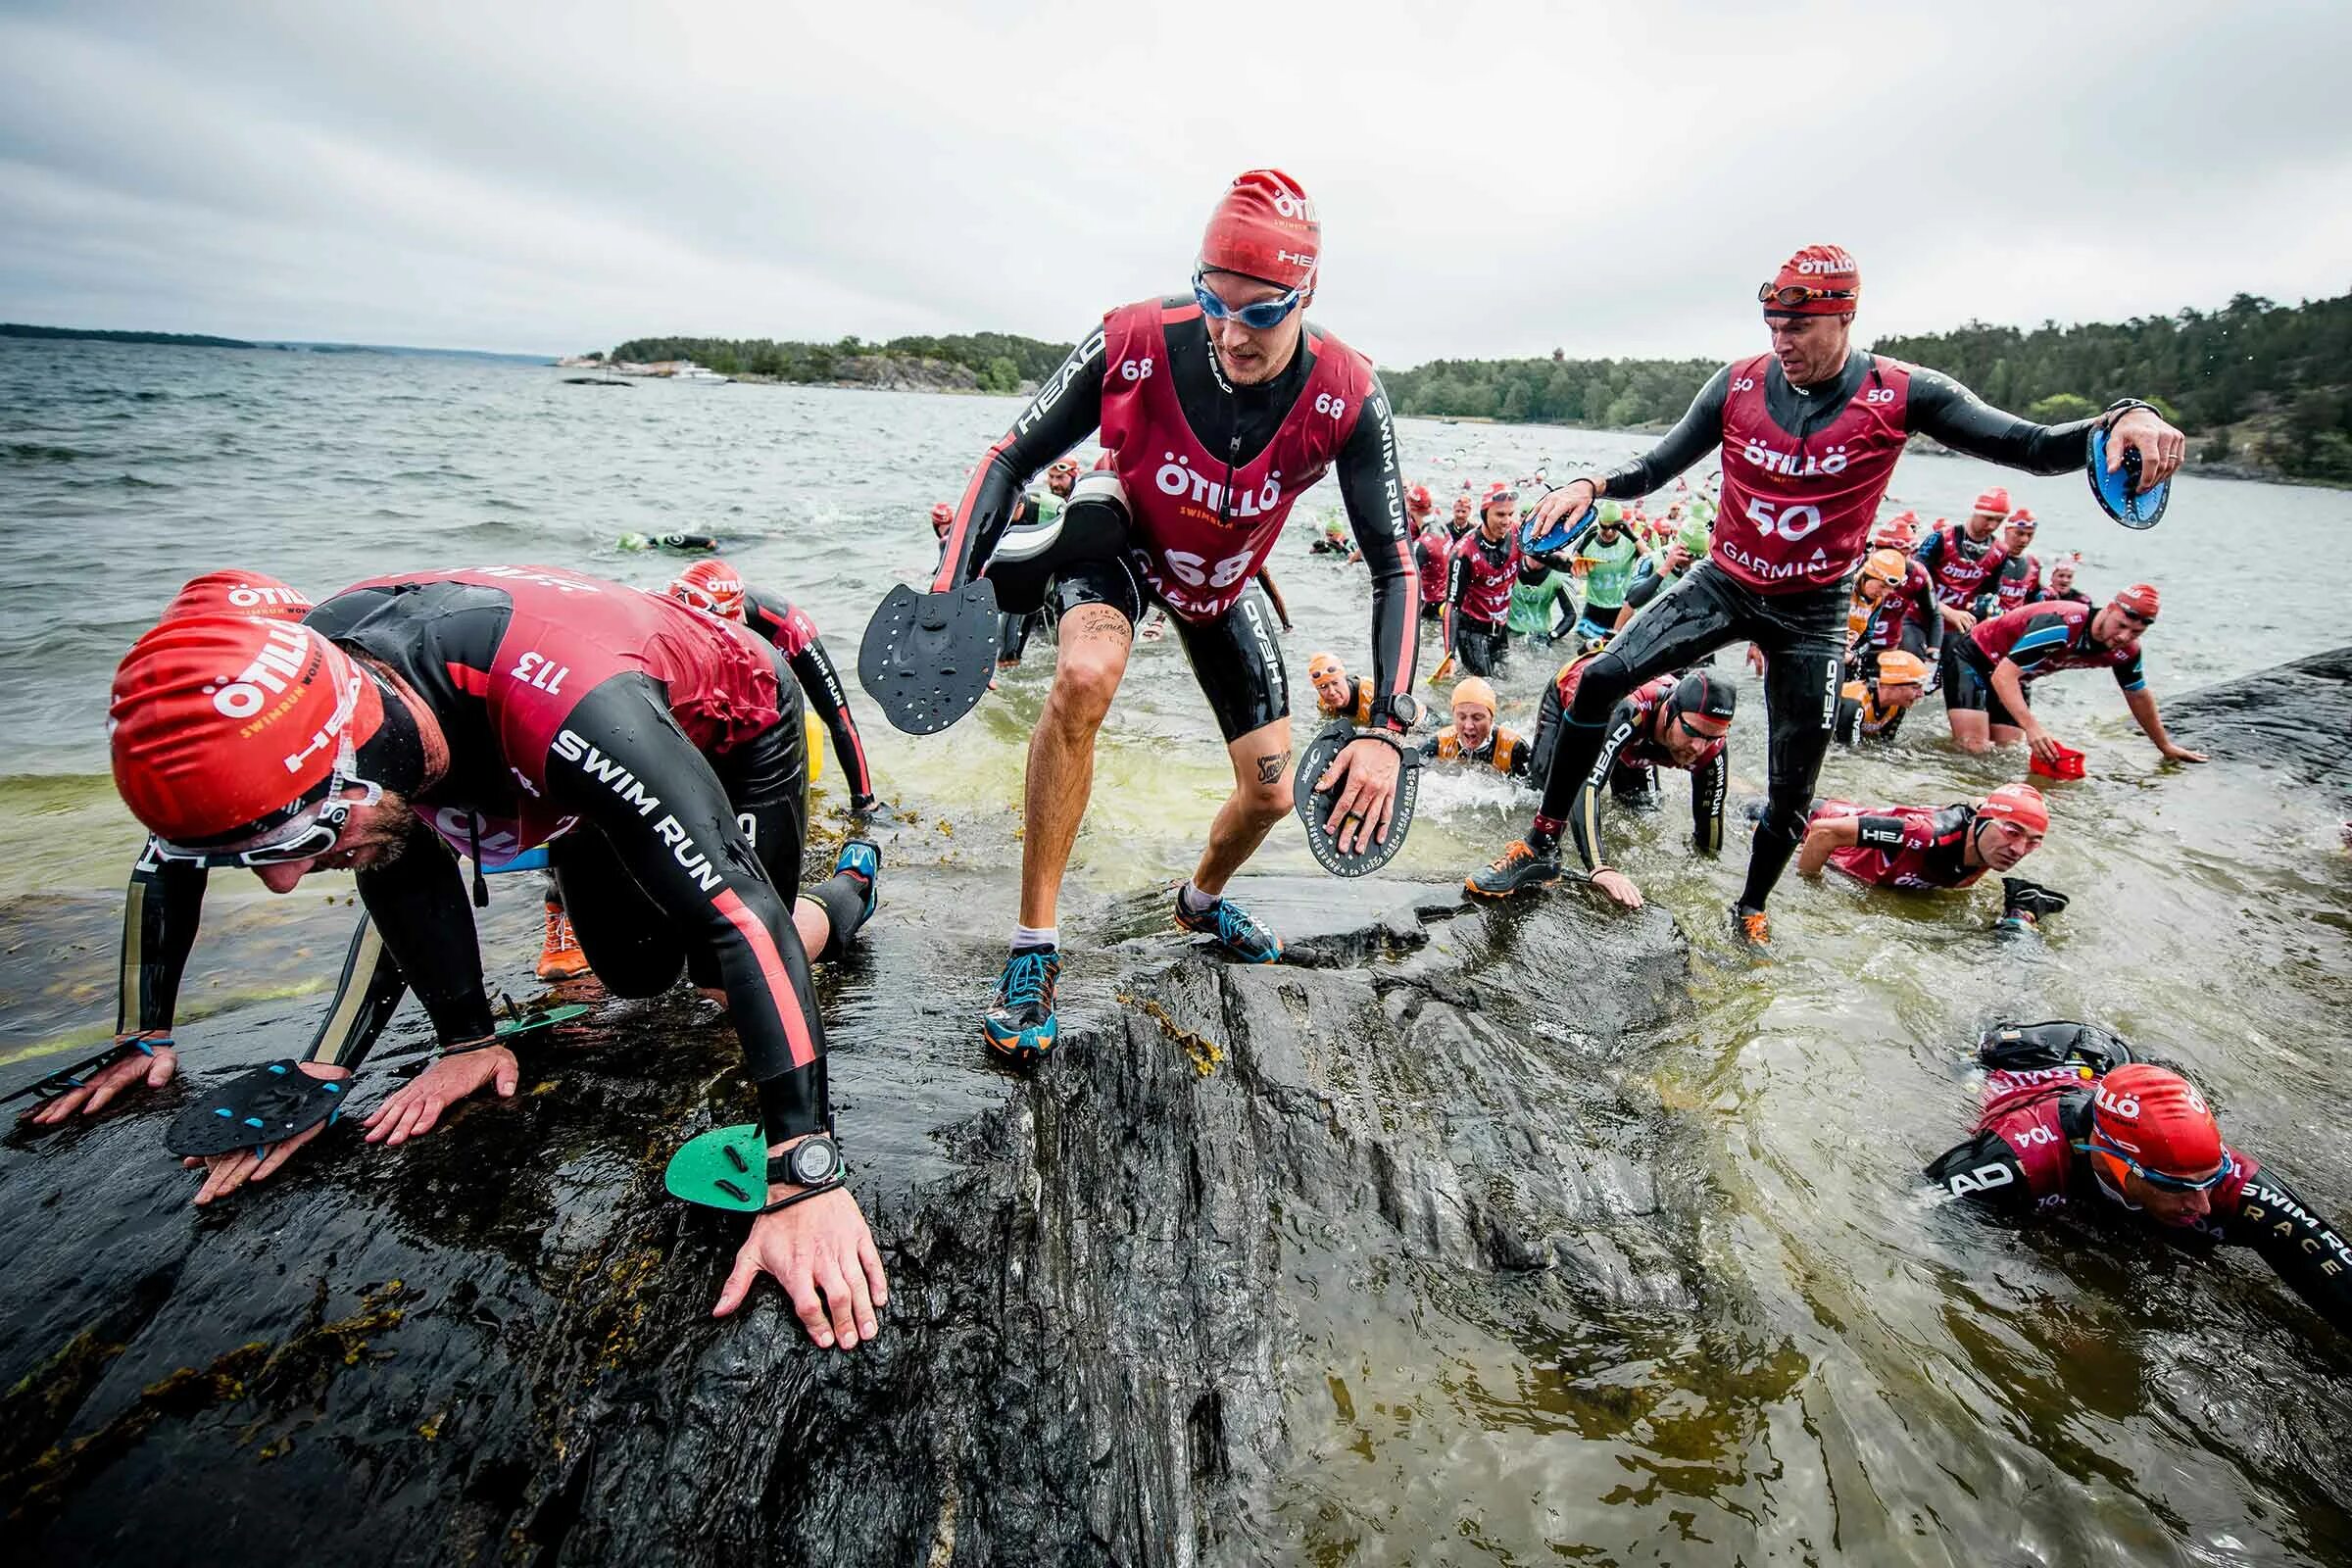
24 332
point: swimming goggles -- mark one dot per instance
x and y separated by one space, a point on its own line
1257 318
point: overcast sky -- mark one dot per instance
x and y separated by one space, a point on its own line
1493 180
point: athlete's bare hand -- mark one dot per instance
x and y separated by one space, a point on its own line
821 1246
2045 745
106 1084
1368 768
226 1173
1565 502
1960 620
2174 752
416 1109
2161 447
1619 887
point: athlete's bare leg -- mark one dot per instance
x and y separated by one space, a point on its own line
1262 794
1093 658
1970 729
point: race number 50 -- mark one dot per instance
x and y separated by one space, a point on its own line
1790 523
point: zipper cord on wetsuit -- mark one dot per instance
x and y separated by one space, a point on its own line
473 843
1233 430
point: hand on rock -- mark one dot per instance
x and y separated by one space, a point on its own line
416 1109
106 1084
824 1255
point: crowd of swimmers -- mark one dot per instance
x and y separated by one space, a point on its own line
649 752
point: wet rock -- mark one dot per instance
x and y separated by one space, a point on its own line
2293 718
494 1345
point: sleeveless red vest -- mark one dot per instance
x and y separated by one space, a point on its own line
1958 577
1797 513
1200 539
1487 598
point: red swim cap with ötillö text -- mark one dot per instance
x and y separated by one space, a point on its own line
1265 227
1827 268
2157 1116
222 722
234 591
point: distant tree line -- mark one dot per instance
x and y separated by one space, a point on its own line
1001 361
92 334
2263 383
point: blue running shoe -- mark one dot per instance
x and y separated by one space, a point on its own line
863 858
1021 1026
1237 935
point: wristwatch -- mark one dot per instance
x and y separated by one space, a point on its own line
1403 706
814 1161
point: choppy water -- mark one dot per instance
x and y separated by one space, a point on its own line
1867 1383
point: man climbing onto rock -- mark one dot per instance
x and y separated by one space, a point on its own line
2007 654
657 753
1217 410
1809 434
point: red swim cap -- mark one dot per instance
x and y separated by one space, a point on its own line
1264 228
2021 804
222 726
1994 500
711 585
1417 499
1497 491
2023 517
236 592
2140 599
2157 1117
1823 268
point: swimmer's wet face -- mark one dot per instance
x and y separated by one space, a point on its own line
373 835
1473 725
2002 844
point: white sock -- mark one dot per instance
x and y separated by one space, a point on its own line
1194 901
1036 935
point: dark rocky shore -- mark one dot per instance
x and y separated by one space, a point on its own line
495 1346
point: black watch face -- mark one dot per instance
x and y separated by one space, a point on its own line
815 1162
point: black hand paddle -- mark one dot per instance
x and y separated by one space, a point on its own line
927 658
1314 808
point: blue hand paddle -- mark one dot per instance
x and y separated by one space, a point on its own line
2119 492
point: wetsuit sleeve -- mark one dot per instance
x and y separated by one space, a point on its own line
366 994
1942 408
1709 786
2309 1253
2129 676
161 911
417 901
1583 817
1699 432
813 668
622 761
1067 410
1880 832
1372 487
1985 1174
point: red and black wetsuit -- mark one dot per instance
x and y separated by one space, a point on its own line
1479 574
2041 639
1629 761
656 751
1210 472
1905 616
1912 847
789 627
1963 570
2029 1157
2018 583
1433 549
1804 472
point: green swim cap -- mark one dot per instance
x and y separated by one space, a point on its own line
1611 512
1695 537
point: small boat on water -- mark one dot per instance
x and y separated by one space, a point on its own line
697 374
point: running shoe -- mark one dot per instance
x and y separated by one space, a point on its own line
863 858
1021 1026
1520 870
1751 928
1238 933
559 954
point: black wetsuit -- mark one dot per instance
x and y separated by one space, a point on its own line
795 635
1802 632
1234 658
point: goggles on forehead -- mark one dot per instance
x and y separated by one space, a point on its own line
2158 1179
1790 296
1257 318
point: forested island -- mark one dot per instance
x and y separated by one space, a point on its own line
91 334
977 362
2261 387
